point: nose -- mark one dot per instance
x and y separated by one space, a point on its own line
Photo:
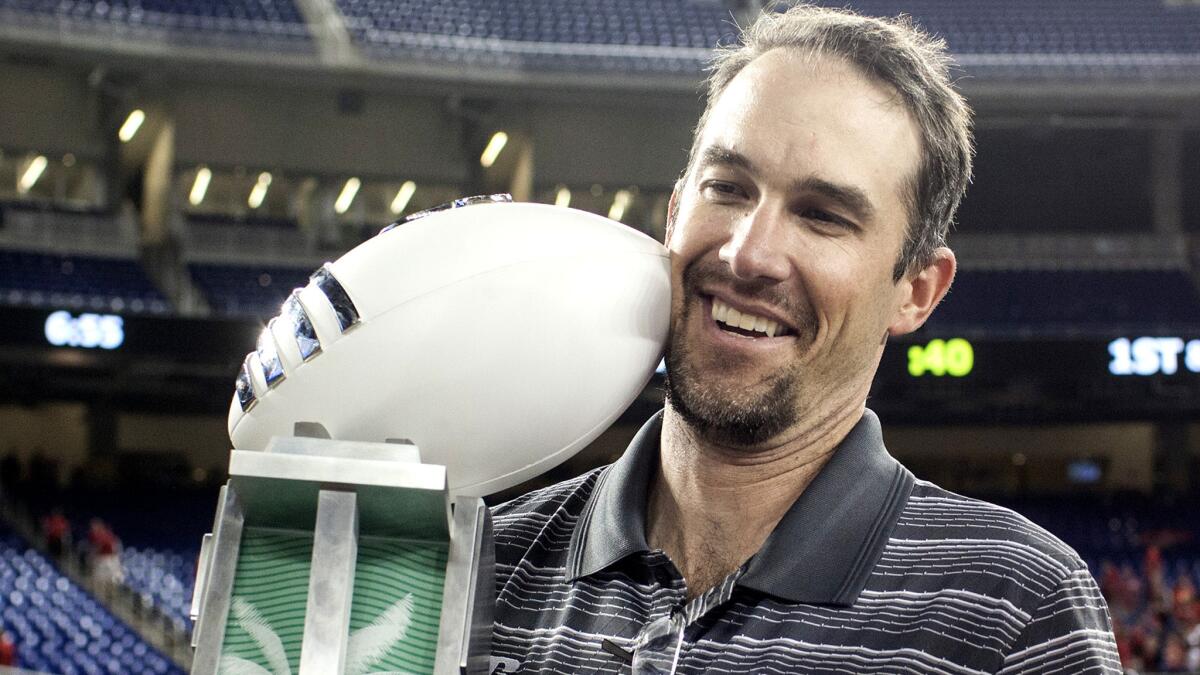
755 249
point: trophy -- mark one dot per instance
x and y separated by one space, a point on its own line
461 352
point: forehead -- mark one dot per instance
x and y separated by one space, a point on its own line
804 115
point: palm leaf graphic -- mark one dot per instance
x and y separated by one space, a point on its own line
371 642
235 665
249 618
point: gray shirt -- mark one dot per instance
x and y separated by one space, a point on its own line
870 570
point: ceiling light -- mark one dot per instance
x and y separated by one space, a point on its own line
404 194
131 125
620 201
259 192
200 186
562 197
346 198
33 171
492 151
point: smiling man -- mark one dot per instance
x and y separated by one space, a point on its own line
758 524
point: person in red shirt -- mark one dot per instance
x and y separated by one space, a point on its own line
8 650
56 532
106 560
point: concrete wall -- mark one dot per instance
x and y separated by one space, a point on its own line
50 110
59 430
622 142
303 131
203 439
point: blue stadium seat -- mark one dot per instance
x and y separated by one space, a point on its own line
78 282
239 291
276 24
58 628
1068 301
164 579
1146 36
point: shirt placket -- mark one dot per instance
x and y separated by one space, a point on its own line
700 607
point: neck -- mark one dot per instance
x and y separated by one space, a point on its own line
712 506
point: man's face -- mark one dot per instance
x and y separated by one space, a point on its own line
793 213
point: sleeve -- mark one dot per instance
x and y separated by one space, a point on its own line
1069 632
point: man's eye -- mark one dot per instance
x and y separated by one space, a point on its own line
719 188
826 217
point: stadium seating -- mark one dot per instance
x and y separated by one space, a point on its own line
163 579
77 282
203 220
275 24
1040 27
241 291
1068 301
58 628
664 23
641 35
1023 38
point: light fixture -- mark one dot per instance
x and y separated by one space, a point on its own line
259 192
131 125
562 197
346 198
620 202
200 186
33 171
404 194
492 151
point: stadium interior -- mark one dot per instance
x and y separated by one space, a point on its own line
171 170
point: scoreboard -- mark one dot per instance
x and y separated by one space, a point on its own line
922 379
1095 378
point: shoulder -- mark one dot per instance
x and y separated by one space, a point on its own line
938 515
1033 601
945 540
550 498
546 516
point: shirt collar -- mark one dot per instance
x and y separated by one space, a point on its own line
822 551
613 523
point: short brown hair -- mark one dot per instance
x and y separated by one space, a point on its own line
901 55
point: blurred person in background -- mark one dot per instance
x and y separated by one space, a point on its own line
8 650
104 556
10 474
56 534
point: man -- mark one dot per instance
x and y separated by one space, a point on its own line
758 524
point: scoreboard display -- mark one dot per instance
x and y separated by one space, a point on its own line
1117 377
922 379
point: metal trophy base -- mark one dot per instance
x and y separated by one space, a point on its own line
341 558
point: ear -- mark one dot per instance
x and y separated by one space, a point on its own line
923 291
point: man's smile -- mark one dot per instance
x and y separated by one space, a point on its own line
745 322
736 324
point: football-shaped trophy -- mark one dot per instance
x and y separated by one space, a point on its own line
456 354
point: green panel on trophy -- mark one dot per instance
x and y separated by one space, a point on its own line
397 605
270 591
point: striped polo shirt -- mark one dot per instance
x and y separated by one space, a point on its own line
870 571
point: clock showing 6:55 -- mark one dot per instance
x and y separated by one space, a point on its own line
103 331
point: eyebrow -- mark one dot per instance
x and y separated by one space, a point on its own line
848 196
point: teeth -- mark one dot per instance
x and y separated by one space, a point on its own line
729 316
719 311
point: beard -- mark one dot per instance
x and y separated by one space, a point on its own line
740 416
